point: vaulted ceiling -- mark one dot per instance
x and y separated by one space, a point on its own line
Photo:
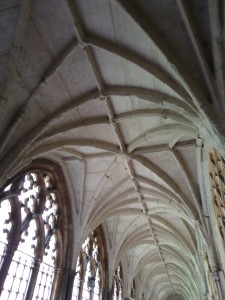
123 94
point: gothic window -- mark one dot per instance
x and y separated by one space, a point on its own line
117 283
88 282
31 237
217 177
133 291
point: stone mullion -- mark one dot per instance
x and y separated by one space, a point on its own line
213 187
33 279
220 167
81 288
40 246
220 199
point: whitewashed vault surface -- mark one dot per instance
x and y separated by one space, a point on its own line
123 94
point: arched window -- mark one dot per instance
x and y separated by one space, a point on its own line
118 283
33 238
133 291
90 269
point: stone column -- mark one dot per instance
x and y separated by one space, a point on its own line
69 285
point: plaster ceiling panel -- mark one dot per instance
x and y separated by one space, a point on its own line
77 74
165 161
117 185
118 174
4 64
123 230
170 220
87 203
101 132
178 224
117 26
126 73
167 136
185 139
131 205
123 104
115 194
71 135
9 4
150 121
8 21
98 164
129 129
105 60
56 94
92 181
189 155
110 223
92 108
86 150
173 30
135 76
110 226
75 170
147 173
133 127
36 58
160 210
138 252
17 93
138 41
138 223
154 203
176 244
54 22
59 124
93 134
199 10
145 186
97 17
133 37
30 120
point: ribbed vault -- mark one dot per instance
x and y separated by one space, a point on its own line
123 94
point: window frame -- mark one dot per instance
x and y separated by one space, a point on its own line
64 239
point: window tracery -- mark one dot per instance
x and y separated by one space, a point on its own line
217 176
133 291
88 282
118 283
31 228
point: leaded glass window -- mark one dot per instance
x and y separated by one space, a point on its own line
30 236
88 282
117 283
